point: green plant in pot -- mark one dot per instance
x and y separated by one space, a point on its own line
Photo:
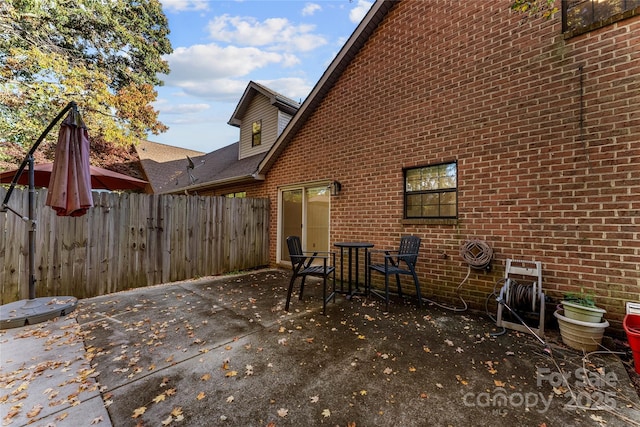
581 306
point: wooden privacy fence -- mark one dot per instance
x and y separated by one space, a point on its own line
128 241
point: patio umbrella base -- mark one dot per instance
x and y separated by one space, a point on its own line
29 312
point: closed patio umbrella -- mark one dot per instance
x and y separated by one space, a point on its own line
71 196
70 183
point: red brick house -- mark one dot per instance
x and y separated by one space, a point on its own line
457 120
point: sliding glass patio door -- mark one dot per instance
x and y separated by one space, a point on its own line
304 212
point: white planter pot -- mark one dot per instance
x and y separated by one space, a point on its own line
584 314
585 336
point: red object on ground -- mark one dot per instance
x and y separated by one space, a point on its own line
631 325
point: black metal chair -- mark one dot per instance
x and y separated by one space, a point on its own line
402 261
308 264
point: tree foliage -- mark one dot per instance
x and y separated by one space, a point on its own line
103 54
544 8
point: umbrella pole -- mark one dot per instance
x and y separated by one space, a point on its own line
32 231
34 310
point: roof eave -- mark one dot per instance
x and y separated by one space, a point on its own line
219 183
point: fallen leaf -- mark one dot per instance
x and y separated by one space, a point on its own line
176 411
201 395
412 369
96 420
167 420
34 411
205 377
283 412
62 416
139 411
560 390
159 398
314 399
499 383
231 374
388 371
463 382
230 399
449 342
170 392
439 385
363 392
248 370
426 349
326 413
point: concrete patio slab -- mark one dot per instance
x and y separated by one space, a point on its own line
221 351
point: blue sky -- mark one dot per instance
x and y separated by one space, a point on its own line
219 46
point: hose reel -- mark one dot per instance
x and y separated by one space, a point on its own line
521 296
477 253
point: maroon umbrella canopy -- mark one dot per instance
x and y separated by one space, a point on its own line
101 179
70 184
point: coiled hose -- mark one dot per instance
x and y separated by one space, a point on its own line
477 254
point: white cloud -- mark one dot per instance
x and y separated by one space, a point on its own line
215 73
171 108
274 33
221 90
292 87
358 12
310 8
211 61
184 5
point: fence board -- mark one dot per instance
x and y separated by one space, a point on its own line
129 240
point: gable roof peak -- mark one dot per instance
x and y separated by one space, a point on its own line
283 103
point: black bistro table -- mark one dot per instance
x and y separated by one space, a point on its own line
353 249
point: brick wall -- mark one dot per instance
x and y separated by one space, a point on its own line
544 173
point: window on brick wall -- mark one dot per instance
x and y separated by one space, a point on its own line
239 194
581 16
431 191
